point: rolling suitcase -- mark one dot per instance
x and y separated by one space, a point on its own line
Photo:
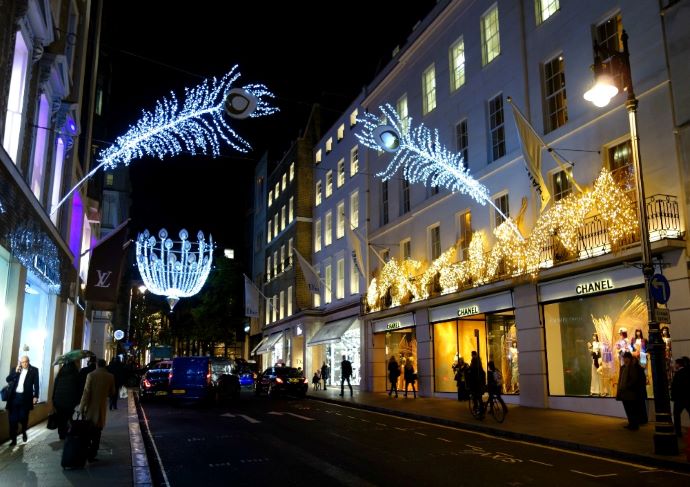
76 447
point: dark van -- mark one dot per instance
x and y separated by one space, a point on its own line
202 378
190 378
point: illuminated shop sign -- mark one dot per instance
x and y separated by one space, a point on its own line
594 286
605 281
394 323
468 311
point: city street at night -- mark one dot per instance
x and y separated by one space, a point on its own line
263 441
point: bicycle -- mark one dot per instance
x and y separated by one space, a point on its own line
479 408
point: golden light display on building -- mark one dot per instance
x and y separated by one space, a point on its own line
559 226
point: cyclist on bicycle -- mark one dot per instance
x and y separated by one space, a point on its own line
476 379
495 385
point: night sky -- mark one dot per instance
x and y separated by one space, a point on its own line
304 51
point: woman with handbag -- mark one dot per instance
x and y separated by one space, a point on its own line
66 396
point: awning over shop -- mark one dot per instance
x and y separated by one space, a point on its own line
331 332
267 343
261 343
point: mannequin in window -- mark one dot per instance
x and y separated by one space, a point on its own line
668 352
594 348
514 370
639 348
622 345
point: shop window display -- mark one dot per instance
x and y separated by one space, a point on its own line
587 337
350 346
403 345
503 350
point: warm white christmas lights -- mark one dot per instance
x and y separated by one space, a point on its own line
196 125
173 272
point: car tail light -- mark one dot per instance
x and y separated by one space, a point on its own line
306 381
279 380
170 376
147 384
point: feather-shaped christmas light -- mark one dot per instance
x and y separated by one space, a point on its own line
195 125
420 154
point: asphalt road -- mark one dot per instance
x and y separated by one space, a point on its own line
262 441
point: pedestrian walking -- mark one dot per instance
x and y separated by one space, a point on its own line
325 374
23 394
66 395
117 369
100 385
476 381
631 375
84 371
461 370
495 385
410 377
345 374
393 374
680 391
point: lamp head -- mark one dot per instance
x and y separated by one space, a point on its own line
142 289
603 90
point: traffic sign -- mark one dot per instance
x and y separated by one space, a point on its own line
663 315
660 289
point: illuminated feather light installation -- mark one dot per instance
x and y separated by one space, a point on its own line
197 124
423 159
173 272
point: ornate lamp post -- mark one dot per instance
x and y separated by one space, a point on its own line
600 94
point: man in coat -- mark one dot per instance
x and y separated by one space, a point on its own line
66 395
100 385
84 371
680 391
345 374
629 389
23 395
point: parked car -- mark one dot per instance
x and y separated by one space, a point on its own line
281 380
155 383
203 378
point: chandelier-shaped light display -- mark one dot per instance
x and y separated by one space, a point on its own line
38 253
170 271
198 124
420 154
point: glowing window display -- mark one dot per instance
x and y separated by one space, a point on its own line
585 337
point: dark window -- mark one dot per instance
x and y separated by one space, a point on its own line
384 202
405 196
555 102
461 141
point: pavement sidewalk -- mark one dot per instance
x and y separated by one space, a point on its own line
37 462
589 433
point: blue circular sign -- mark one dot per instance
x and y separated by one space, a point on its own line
119 334
660 289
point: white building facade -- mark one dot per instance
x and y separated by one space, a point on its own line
456 74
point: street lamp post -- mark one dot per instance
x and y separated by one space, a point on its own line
665 442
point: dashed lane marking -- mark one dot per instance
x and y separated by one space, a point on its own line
443 439
595 476
248 418
541 463
420 434
399 429
306 418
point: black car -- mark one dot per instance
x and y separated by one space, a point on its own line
154 383
281 380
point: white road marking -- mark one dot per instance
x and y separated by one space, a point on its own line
420 434
541 463
153 443
248 418
595 476
508 440
364 420
382 424
228 415
399 429
275 413
301 417
443 439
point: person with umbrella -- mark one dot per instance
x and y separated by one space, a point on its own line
66 394
100 385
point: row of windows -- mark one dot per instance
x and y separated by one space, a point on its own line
340 176
279 306
281 184
338 291
281 261
281 220
340 135
340 223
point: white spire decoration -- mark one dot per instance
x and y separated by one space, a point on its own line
198 124
420 154
173 273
